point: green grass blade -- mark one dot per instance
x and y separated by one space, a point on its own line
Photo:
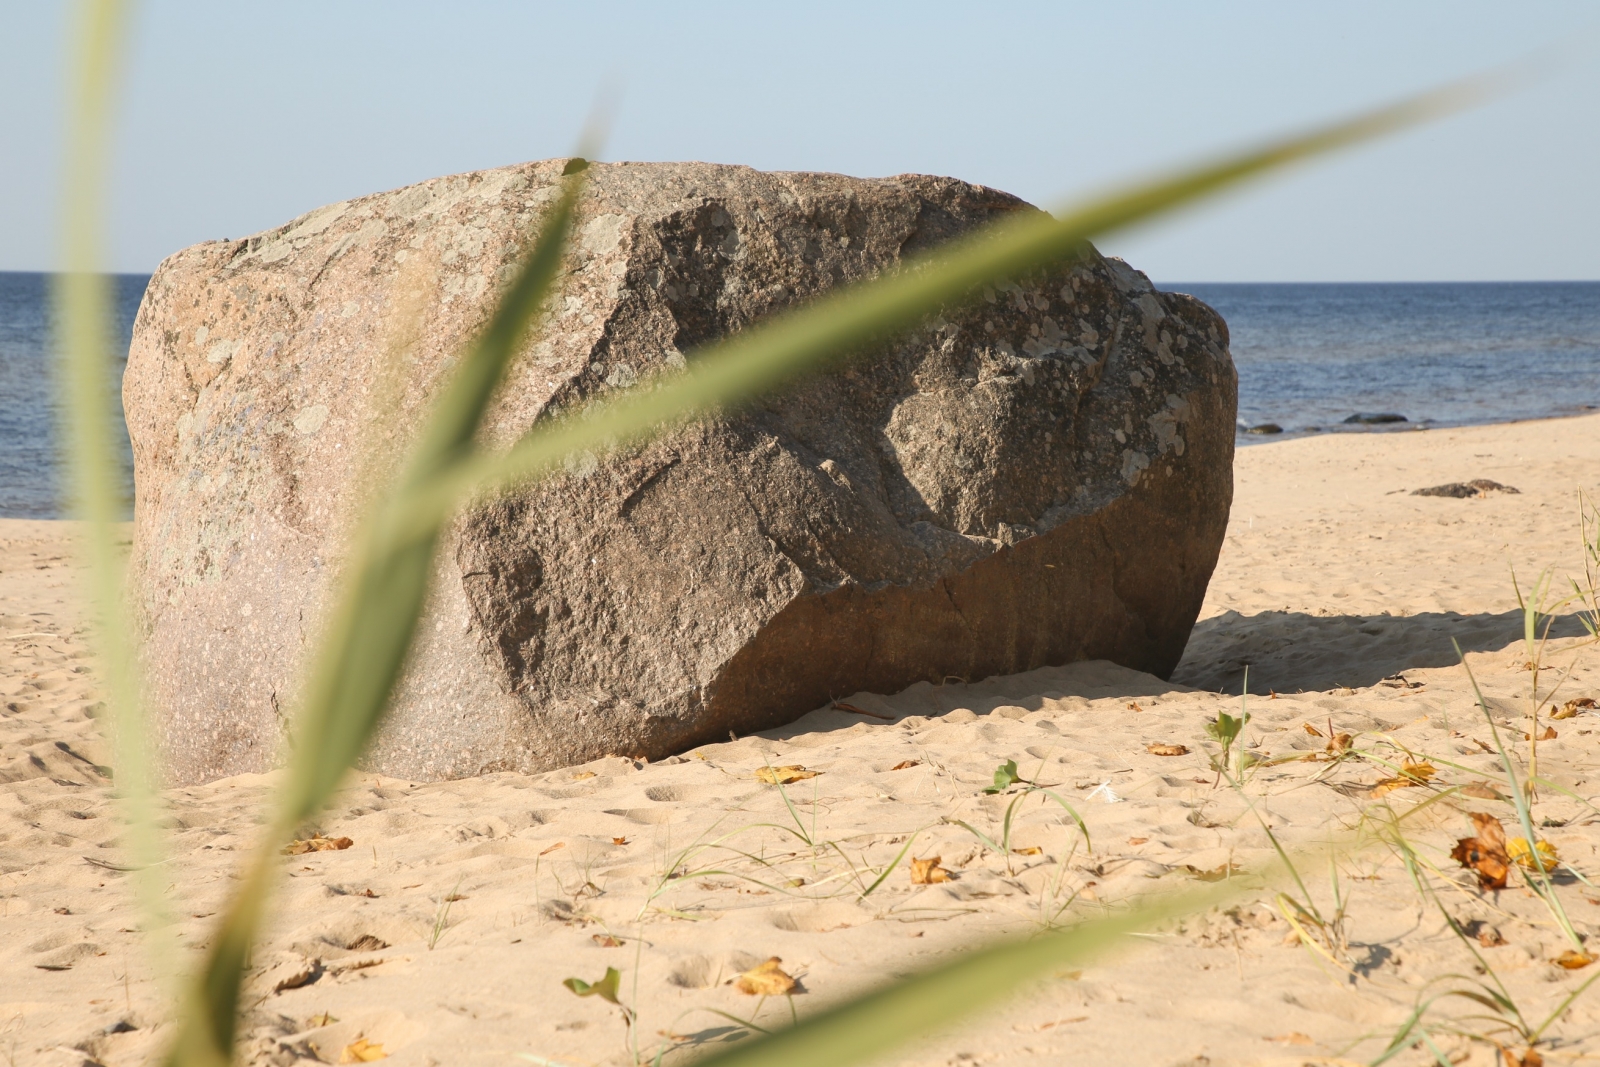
1544 888
365 645
851 319
364 648
878 1021
887 871
82 296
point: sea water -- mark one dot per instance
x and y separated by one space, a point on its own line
1309 357
30 469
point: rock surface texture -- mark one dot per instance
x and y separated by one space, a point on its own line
1040 476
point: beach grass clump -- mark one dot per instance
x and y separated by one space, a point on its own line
365 639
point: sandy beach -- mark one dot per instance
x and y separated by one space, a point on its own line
444 931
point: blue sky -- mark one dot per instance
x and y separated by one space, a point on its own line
238 116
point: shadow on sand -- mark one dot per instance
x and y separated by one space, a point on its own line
1292 652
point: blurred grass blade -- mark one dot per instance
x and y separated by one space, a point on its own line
365 642
848 320
364 647
928 1003
93 462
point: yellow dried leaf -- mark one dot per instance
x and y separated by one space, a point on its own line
619 840
1547 734
1312 730
1161 749
1420 772
605 940
320 1020
1215 874
928 871
766 980
906 764
784 775
316 843
1573 960
1389 785
1031 850
1517 849
1570 709
362 1051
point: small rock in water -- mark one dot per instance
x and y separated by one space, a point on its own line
1265 428
1478 487
1374 418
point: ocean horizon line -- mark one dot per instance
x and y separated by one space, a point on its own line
1161 283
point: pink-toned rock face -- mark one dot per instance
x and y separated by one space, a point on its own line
1038 477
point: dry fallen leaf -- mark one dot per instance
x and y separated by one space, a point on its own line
1570 709
552 848
605 940
316 843
1517 849
1486 853
1161 749
1573 960
1031 850
1482 791
1410 774
1530 1058
906 764
362 1051
1137 840
1339 744
1134 706
619 840
1294 1037
784 775
928 871
1215 874
320 1020
766 980
1312 730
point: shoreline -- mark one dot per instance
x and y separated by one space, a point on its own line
1244 437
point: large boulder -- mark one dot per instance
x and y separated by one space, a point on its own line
1040 476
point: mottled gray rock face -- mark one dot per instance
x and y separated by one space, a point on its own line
1041 476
